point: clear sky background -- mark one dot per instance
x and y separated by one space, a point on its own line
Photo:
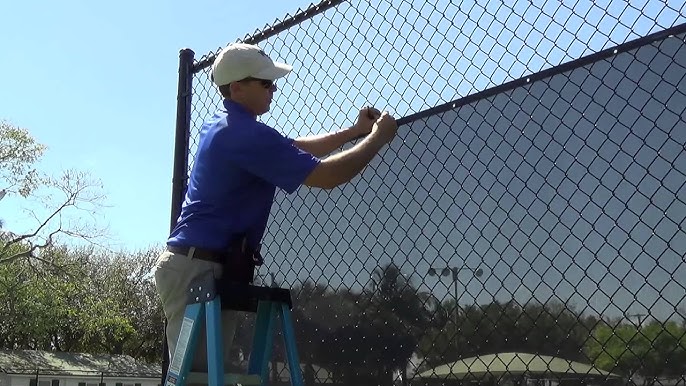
96 82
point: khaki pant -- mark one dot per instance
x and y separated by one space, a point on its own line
173 275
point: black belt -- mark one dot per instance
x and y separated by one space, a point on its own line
217 256
239 260
199 253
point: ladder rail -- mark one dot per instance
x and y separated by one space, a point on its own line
180 364
215 349
291 350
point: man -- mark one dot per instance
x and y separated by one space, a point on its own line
239 164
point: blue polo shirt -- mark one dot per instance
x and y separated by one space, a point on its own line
237 167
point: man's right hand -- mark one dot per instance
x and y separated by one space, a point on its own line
386 127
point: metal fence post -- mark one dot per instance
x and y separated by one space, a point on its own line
183 122
179 176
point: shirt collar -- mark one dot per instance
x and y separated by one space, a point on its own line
237 108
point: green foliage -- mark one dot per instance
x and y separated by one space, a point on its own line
18 153
82 301
656 349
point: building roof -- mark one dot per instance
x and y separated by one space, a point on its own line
30 362
514 363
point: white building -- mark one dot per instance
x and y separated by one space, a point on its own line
45 368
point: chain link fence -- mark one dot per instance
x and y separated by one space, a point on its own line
527 224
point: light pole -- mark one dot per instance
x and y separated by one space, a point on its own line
445 271
640 319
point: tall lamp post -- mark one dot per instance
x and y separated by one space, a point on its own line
446 271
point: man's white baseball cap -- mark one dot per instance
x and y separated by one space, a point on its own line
239 61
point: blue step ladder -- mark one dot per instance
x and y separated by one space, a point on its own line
206 299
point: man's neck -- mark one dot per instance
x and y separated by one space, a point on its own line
238 105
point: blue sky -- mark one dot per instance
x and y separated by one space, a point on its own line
96 82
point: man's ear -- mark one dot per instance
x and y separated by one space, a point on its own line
235 88
225 90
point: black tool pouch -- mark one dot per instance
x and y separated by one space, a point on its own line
241 261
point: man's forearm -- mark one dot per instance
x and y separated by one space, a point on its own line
342 167
323 144
349 163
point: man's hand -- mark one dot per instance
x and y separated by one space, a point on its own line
342 167
386 127
323 144
365 120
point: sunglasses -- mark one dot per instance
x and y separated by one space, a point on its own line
266 83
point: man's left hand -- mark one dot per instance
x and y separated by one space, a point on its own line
365 120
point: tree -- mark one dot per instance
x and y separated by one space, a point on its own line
318 312
366 353
47 307
62 206
15 296
549 329
18 154
387 320
135 322
82 300
654 350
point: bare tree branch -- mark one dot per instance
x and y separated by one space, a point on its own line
33 248
40 227
81 201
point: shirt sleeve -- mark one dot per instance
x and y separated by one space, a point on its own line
264 152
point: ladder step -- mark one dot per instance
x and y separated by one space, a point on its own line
229 378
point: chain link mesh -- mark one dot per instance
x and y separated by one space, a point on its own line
526 225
